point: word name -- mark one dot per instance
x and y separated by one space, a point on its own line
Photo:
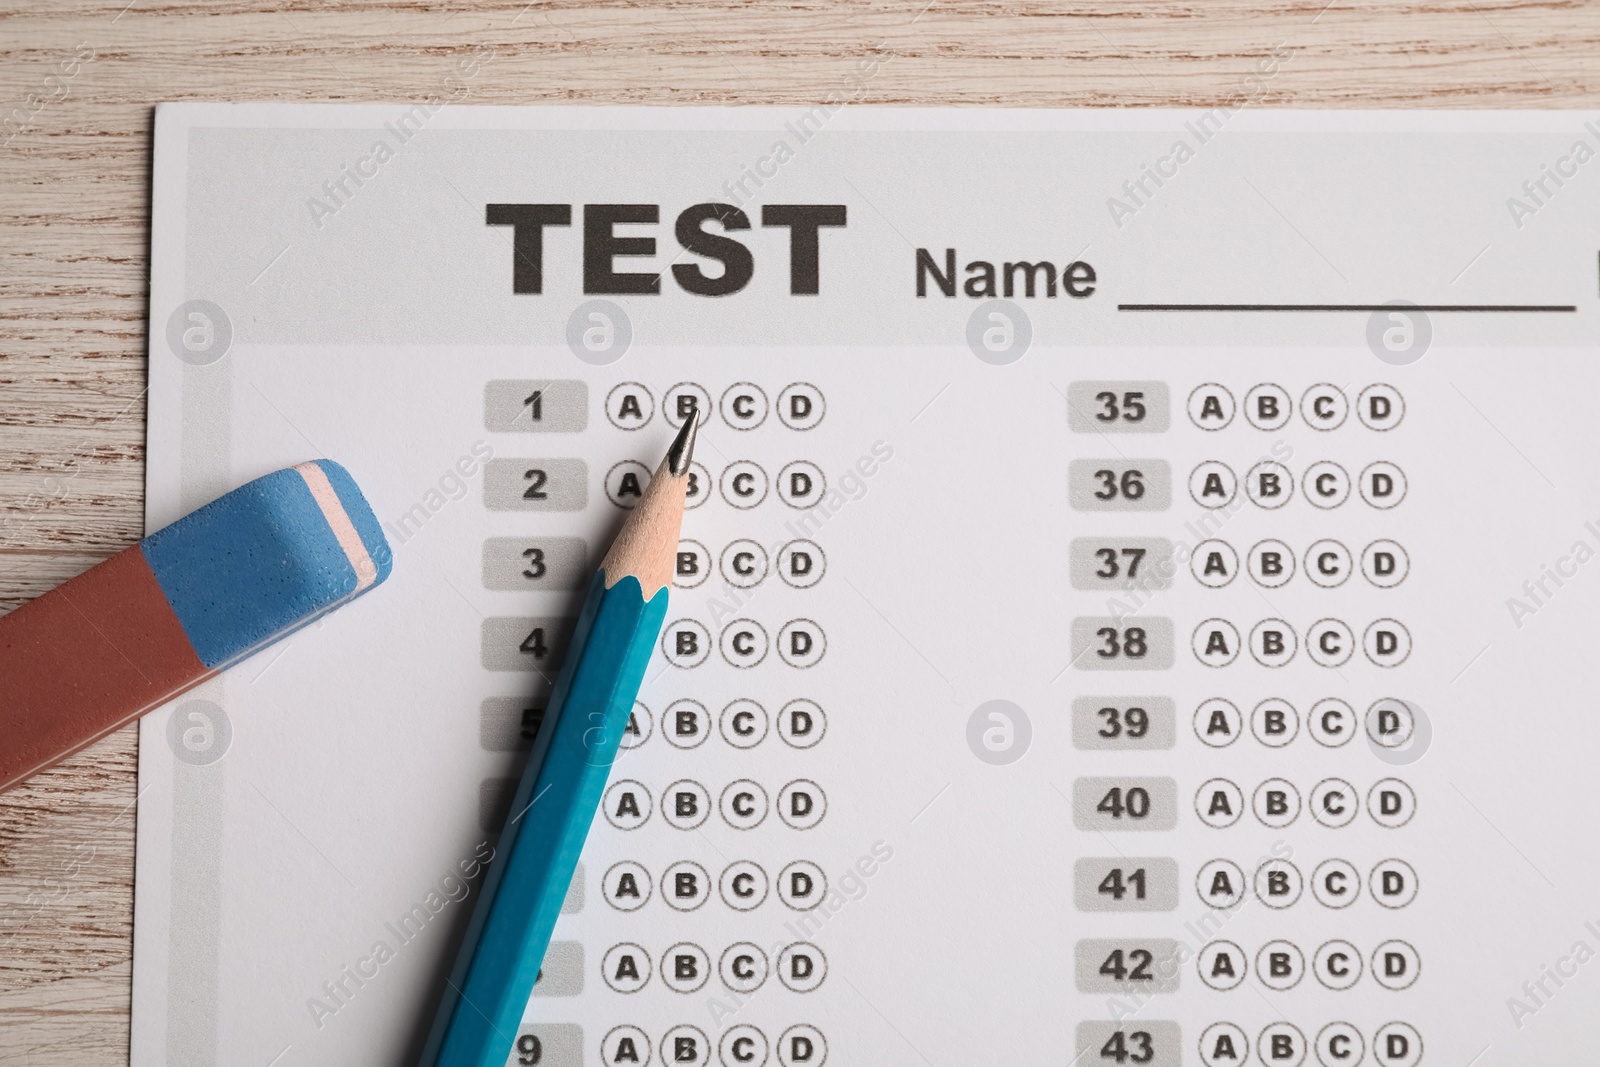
1077 279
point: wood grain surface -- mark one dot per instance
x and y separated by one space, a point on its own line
74 241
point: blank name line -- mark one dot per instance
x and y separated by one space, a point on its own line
1349 307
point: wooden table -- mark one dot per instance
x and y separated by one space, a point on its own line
74 240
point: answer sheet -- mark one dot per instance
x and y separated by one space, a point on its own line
1135 605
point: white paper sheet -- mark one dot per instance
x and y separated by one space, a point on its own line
1399 519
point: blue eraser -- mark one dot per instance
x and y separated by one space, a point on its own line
266 559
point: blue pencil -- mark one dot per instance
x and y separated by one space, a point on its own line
560 789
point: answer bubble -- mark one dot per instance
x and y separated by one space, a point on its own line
743 406
802 967
686 723
692 564
1280 965
626 967
743 804
630 406
1270 563
1398 731
685 967
743 885
1278 884
802 885
685 1046
1214 563
1387 643
1219 803
1326 484
1220 884
1397 1045
1338 1044
599 332
1213 484
743 967
1215 642
1396 964
1338 965
743 643
1330 643
1275 722
626 483
802 804
744 723
801 643
1282 1045
1383 485
744 564
626 1044
1211 406
1267 406
801 564
1324 407
1380 407
1334 802
801 723
744 484
1328 563
1391 803
1217 722
1276 803
1336 883
1385 564
684 399
802 1046
999 732
801 405
1393 883
626 886
1332 722
801 484
627 804
685 804
999 332
685 643
1223 1045
1222 965
1269 485
742 1045
1273 642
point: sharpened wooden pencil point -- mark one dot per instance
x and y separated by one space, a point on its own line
646 545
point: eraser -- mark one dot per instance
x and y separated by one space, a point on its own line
193 598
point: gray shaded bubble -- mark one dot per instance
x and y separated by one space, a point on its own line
998 732
1412 733
199 732
1401 336
199 332
599 332
999 332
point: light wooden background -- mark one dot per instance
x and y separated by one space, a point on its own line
74 240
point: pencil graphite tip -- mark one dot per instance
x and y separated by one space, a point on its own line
682 450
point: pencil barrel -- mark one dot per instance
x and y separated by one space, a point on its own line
555 803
